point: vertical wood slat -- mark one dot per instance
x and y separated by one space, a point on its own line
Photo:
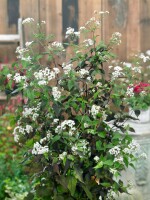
29 8
117 19
133 27
54 18
145 24
86 11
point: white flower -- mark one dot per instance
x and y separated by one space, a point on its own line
43 22
134 145
115 151
118 68
39 149
143 155
88 78
69 31
96 158
83 73
66 124
9 76
86 125
27 20
45 74
119 159
95 110
88 42
148 52
28 128
130 92
137 69
27 59
77 34
57 45
42 82
56 93
116 38
27 44
56 121
67 68
62 156
18 78
100 198
126 64
56 70
82 28
144 58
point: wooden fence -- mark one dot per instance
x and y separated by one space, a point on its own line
129 17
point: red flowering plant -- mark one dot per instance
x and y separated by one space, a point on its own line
140 98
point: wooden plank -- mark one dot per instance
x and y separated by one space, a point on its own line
54 18
133 28
118 11
145 24
29 8
9 38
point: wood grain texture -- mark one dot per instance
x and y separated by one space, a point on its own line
129 17
145 24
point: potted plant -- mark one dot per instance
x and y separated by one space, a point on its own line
64 124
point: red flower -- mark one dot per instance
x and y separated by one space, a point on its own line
140 87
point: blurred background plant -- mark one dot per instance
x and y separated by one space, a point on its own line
14 184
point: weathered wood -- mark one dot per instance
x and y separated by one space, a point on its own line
133 28
9 38
130 17
145 24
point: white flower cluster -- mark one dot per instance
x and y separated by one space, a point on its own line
39 149
116 38
95 110
119 159
127 64
83 72
9 76
82 28
18 79
115 151
144 58
117 72
31 112
93 22
57 45
21 52
81 148
68 125
27 44
130 92
67 68
96 158
27 21
111 195
62 155
44 75
71 33
56 93
48 136
137 69
134 146
21 130
88 42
